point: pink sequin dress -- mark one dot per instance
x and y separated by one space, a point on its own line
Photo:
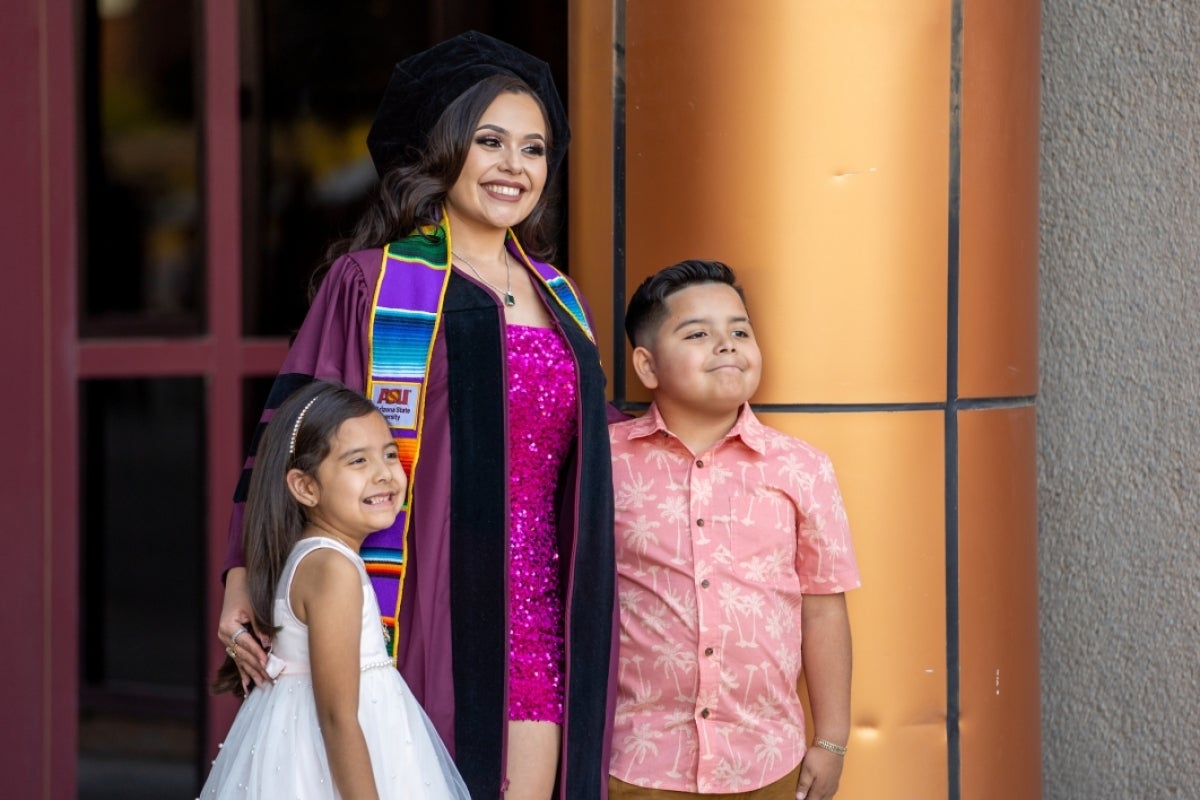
542 426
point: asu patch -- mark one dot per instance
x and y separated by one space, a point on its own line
398 403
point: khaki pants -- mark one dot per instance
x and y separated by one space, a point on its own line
782 789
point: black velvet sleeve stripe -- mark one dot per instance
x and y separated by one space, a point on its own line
478 522
285 384
592 598
478 570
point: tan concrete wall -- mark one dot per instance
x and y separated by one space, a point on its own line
1119 405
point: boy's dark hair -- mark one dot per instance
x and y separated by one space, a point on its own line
274 519
648 306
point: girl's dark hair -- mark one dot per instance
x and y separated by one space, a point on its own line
411 194
648 306
274 520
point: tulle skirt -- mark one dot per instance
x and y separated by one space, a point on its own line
274 749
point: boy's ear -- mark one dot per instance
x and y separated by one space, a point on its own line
643 365
303 487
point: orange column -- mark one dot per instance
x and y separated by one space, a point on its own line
997 375
870 171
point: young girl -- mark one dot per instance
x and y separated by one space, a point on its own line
338 720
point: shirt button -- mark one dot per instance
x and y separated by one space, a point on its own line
708 651
704 583
704 713
700 464
699 523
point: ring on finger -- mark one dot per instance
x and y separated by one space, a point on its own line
236 634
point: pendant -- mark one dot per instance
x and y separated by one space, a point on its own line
509 300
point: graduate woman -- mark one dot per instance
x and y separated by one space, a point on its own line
496 584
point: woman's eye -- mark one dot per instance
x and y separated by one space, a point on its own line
488 141
696 335
742 334
538 150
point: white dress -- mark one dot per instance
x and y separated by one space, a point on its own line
274 749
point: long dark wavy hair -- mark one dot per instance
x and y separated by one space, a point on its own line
411 194
274 519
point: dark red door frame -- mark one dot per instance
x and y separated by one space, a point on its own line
38 572
39 225
223 239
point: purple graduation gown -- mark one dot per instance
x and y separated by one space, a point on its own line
453 643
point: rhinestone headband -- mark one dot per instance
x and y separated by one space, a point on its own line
296 427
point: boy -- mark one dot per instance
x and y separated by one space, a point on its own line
731 538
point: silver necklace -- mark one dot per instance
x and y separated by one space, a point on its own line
507 294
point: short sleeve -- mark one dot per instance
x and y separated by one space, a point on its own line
825 560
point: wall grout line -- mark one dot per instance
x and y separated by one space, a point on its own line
620 379
953 406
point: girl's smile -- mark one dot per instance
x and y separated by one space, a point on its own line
358 489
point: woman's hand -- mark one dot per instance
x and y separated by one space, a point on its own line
242 641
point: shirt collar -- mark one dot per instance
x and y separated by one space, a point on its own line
752 432
747 428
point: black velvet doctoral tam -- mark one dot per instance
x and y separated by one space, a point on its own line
424 84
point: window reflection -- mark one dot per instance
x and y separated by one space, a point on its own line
312 75
140 259
142 525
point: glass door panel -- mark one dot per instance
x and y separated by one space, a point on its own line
141 268
142 528
312 76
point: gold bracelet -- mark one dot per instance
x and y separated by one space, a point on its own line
825 744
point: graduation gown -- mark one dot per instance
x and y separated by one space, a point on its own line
453 645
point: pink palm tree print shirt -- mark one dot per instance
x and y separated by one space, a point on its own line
714 554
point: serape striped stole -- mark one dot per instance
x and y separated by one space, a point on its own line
405 315
556 283
404 319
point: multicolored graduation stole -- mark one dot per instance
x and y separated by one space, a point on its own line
404 318
405 315
560 288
